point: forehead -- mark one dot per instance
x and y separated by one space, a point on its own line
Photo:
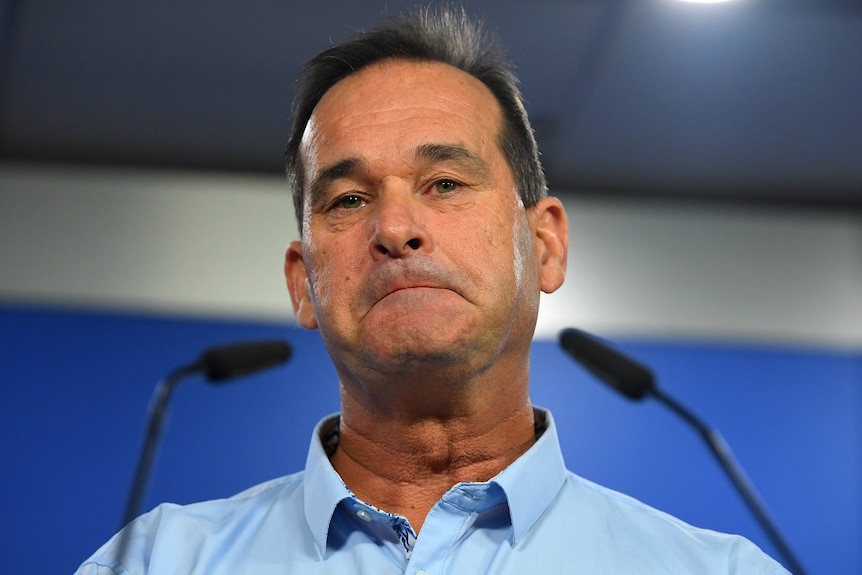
398 103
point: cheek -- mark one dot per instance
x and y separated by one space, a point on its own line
333 278
495 249
488 231
318 275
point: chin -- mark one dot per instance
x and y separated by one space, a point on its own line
416 358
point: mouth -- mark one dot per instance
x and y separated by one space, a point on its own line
416 293
410 287
399 288
420 283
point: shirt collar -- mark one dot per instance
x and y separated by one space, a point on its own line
530 483
324 489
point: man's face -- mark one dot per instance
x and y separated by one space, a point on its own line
417 250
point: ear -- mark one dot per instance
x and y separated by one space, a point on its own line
552 242
299 286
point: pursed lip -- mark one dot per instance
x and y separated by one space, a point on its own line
402 286
392 280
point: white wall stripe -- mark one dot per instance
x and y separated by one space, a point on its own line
213 244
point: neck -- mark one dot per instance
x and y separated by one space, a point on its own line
404 460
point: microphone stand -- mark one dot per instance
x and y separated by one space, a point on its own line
635 381
743 484
155 417
218 364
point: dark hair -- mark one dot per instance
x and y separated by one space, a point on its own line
445 35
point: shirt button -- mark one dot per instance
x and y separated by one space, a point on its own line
422 572
364 514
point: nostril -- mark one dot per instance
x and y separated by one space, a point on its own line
414 243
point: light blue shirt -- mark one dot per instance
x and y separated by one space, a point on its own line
534 517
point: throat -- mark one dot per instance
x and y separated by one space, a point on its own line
408 472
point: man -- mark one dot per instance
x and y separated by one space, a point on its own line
427 237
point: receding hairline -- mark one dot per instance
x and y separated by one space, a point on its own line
395 61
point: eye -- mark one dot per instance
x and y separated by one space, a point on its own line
349 202
446 186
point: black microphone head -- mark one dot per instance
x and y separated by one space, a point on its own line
229 361
617 370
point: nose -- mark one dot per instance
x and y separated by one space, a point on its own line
398 225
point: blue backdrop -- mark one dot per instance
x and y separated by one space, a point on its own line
76 386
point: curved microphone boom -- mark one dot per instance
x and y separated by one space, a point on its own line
636 382
217 364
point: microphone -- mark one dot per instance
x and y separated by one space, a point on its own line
218 365
227 362
622 373
636 382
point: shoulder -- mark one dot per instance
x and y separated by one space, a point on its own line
625 530
249 502
274 488
182 532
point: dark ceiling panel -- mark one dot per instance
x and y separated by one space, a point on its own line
749 99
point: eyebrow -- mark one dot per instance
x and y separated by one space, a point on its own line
342 169
430 153
460 155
